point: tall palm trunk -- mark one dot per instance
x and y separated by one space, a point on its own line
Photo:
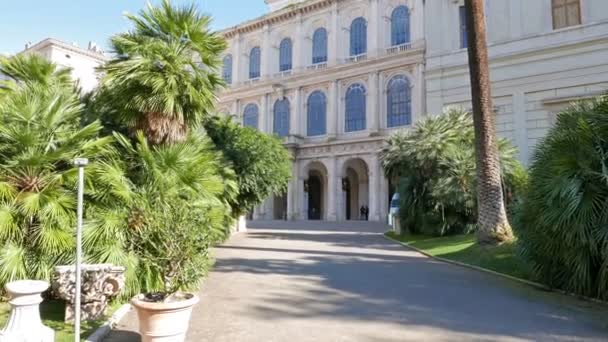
161 129
493 225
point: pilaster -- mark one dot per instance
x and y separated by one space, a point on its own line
266 59
373 29
372 100
332 186
294 114
333 48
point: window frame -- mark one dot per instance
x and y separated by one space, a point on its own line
564 6
321 57
358 37
255 64
355 110
280 117
398 118
285 55
316 112
396 32
227 71
250 110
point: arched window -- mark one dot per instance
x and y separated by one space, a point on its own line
281 118
250 116
399 102
285 53
400 26
355 108
316 113
358 37
227 69
254 62
319 46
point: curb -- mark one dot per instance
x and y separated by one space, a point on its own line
506 276
105 329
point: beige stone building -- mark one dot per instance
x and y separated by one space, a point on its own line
333 78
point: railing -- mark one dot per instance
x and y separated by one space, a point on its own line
251 81
283 73
357 58
317 66
398 48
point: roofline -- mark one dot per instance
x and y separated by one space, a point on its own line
52 41
277 16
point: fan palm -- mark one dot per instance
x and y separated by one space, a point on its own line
166 72
189 173
562 223
40 135
434 165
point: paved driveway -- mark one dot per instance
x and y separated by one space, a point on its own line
319 282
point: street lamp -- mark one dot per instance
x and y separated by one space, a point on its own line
80 163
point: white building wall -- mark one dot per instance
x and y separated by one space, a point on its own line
535 70
333 78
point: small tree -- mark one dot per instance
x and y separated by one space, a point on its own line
261 163
492 218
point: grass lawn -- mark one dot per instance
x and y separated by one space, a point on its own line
52 313
502 259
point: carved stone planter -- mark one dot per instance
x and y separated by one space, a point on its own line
99 283
24 324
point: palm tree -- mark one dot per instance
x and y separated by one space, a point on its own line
40 135
434 165
165 75
493 225
189 174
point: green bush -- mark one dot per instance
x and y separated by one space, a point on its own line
40 136
160 179
261 162
562 222
434 166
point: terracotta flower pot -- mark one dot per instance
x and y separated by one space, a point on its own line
164 322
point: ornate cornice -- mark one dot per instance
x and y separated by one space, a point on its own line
277 17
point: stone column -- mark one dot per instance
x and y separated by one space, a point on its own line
298 45
333 41
372 100
383 195
294 113
237 68
266 57
235 110
332 110
263 114
292 193
332 175
373 29
374 212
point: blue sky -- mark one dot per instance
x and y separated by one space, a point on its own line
84 20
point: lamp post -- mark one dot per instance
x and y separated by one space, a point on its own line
80 163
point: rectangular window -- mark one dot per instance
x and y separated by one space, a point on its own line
566 13
464 38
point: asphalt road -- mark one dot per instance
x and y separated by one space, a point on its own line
300 282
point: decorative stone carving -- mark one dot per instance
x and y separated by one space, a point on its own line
99 283
24 324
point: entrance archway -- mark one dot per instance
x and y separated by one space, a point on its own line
315 196
355 185
315 187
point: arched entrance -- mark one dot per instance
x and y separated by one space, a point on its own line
315 188
355 185
315 196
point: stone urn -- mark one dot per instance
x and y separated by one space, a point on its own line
164 321
99 283
24 323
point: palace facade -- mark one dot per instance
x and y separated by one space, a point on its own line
334 78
